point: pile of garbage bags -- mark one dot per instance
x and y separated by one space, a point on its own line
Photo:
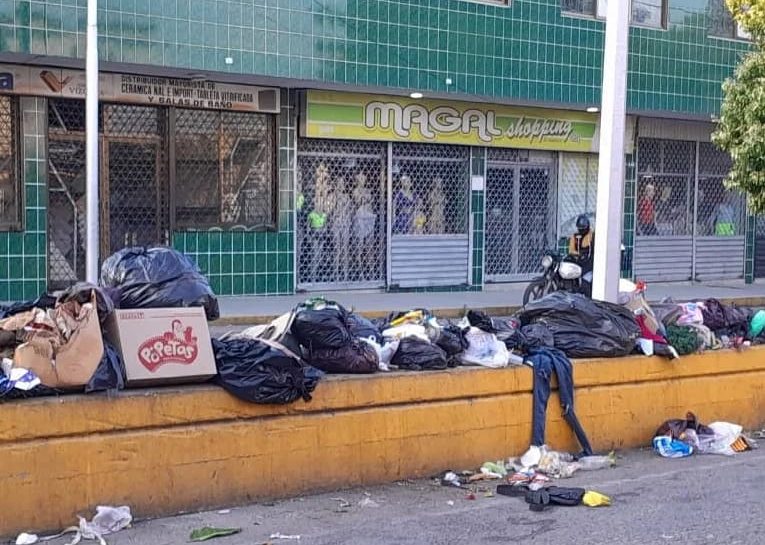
56 343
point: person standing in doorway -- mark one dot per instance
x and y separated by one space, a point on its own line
647 212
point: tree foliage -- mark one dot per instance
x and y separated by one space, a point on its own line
741 131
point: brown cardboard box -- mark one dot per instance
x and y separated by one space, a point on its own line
164 345
63 346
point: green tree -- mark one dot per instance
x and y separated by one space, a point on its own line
741 130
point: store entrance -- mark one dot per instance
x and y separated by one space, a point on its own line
519 214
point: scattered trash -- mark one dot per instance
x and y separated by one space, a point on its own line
368 502
595 499
667 447
207 533
532 457
283 536
27 539
224 511
451 479
595 463
450 503
470 496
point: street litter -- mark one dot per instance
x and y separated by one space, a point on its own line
451 479
283 536
207 533
368 502
107 520
679 438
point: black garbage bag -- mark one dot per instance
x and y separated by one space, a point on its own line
481 320
725 319
530 337
320 328
158 278
357 358
45 301
110 373
362 328
419 355
81 292
582 327
263 372
452 340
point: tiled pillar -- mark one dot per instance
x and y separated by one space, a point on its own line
23 254
628 230
477 205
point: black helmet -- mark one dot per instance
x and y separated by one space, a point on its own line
583 224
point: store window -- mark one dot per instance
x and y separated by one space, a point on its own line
721 22
10 179
648 13
225 168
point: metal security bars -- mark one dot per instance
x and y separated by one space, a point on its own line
160 168
224 169
10 178
520 212
688 226
430 189
342 214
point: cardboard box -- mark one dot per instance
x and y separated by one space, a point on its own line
163 345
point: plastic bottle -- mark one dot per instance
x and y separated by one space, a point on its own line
594 463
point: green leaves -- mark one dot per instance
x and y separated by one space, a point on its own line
741 131
203 534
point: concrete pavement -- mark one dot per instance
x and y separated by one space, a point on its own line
702 500
497 300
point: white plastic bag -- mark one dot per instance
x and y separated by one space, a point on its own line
485 349
384 353
725 435
406 330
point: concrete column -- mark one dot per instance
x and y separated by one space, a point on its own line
91 145
608 235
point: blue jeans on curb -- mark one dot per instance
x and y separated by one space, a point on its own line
546 362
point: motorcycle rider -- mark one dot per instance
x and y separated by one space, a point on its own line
581 247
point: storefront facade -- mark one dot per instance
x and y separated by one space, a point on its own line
278 146
406 193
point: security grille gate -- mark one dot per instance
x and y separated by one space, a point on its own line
430 243
159 167
759 248
341 214
687 225
520 213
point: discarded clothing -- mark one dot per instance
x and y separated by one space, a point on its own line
675 428
684 339
547 361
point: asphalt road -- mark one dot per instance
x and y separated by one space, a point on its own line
700 500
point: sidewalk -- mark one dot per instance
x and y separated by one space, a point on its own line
497 300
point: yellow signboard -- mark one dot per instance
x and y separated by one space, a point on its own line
388 118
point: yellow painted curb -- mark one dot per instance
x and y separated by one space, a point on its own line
178 449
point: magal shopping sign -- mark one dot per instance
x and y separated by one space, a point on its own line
388 118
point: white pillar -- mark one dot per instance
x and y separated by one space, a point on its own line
608 235
91 145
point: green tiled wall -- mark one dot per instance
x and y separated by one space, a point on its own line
528 51
249 263
23 257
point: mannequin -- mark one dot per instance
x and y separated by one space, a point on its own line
404 207
342 220
365 245
316 222
437 201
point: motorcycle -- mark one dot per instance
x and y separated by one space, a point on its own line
559 273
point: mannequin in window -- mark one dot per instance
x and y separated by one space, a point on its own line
316 222
437 201
404 207
365 243
340 224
